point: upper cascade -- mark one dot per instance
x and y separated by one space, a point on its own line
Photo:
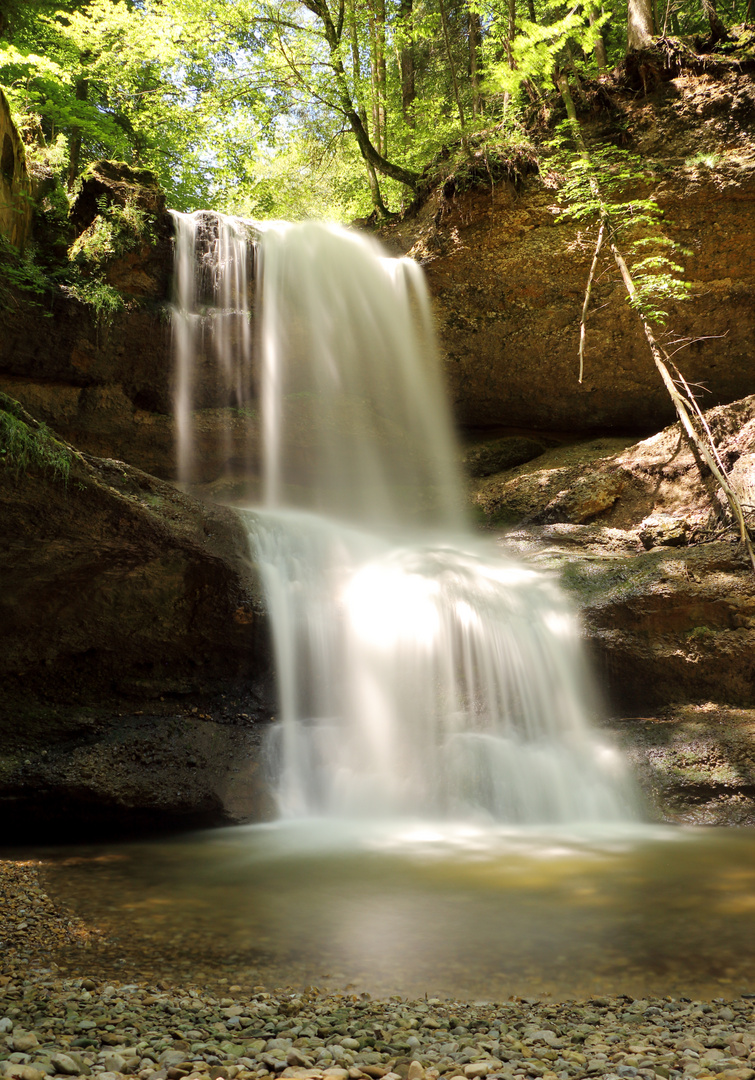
355 421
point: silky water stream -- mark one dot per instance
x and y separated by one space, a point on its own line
449 822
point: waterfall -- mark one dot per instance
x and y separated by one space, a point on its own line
420 670
213 264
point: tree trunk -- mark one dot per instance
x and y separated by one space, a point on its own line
563 85
371 155
718 31
599 50
378 73
640 26
408 87
452 69
474 26
375 193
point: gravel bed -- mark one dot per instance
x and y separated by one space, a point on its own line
52 1024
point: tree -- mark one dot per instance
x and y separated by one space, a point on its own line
640 24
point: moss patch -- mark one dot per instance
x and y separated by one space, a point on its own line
26 444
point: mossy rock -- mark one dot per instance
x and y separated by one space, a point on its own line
119 184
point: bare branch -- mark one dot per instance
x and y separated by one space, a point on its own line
586 304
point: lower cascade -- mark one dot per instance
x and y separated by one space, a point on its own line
421 672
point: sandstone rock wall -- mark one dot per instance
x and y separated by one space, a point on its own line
16 210
508 275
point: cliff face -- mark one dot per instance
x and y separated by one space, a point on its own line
134 658
15 187
508 274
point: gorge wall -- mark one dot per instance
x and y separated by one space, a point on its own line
509 275
16 210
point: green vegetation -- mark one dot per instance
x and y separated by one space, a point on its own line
81 267
21 270
27 445
294 108
602 180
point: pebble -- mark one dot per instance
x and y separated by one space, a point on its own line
59 1024
511 1040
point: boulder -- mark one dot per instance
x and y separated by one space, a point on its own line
118 184
133 648
655 486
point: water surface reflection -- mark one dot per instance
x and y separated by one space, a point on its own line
414 908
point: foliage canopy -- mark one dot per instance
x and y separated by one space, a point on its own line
296 107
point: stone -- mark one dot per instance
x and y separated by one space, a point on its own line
296 1058
17 1071
67 1064
476 1069
416 1071
171 1057
662 530
115 1063
24 1041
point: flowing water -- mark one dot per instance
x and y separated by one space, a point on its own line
213 264
419 672
449 822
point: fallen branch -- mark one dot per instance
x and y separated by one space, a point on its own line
586 304
686 407
683 405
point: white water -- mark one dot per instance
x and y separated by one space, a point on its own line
420 672
212 262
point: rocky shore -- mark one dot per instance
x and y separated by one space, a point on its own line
58 1022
